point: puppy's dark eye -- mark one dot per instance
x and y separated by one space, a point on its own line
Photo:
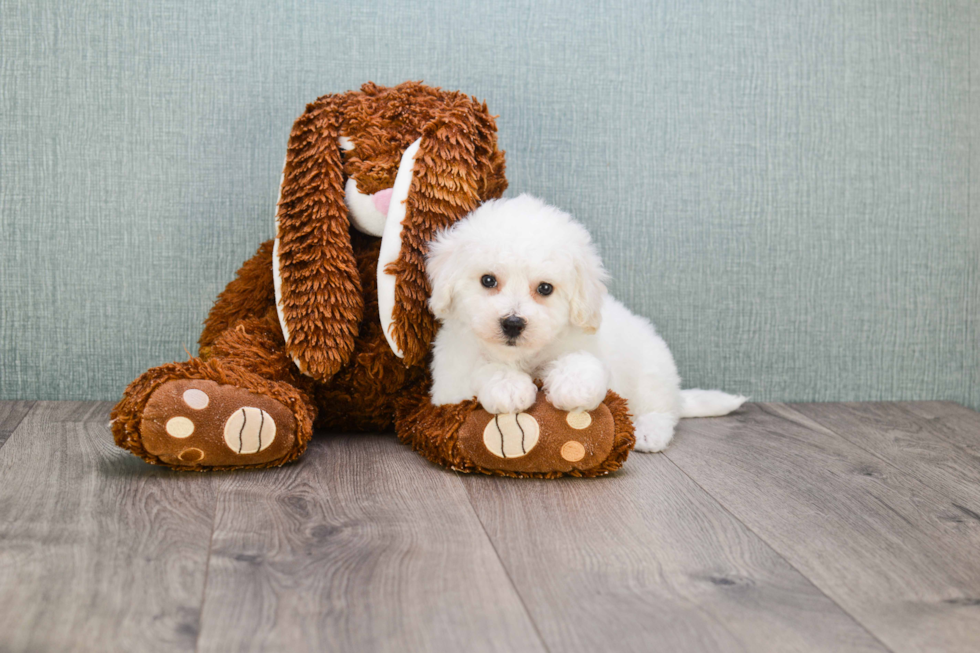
488 281
545 289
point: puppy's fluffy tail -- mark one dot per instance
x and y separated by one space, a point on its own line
708 403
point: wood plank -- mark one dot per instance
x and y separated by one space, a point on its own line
890 550
955 424
645 560
360 546
11 414
916 445
98 550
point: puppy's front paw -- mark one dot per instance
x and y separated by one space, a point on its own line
513 392
653 431
576 382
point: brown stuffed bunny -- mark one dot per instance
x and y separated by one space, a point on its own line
330 323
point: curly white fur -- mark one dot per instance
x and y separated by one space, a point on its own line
577 339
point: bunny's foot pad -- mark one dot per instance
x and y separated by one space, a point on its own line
198 424
543 439
542 442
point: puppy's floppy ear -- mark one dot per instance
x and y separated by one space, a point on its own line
318 288
440 268
456 166
589 289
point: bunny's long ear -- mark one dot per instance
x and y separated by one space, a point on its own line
318 288
444 175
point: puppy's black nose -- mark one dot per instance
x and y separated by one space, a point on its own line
512 325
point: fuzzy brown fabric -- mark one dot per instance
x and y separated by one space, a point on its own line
438 433
250 293
350 380
321 289
449 182
127 415
458 166
232 426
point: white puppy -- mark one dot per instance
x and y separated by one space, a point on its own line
520 292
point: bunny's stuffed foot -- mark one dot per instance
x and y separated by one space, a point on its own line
542 442
205 415
194 423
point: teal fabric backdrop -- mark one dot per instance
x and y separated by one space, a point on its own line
790 190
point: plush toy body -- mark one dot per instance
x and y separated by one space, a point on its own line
328 323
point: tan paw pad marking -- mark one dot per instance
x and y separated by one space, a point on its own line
191 455
249 430
180 427
511 435
196 399
573 451
578 420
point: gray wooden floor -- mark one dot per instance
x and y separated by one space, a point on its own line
830 527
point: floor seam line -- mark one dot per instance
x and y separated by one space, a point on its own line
902 470
496 553
776 552
207 571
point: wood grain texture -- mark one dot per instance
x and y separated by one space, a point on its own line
941 452
647 561
98 551
952 423
11 414
892 551
360 546
789 528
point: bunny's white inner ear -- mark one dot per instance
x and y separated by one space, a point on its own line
276 276
391 244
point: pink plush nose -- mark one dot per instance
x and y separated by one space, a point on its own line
382 199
